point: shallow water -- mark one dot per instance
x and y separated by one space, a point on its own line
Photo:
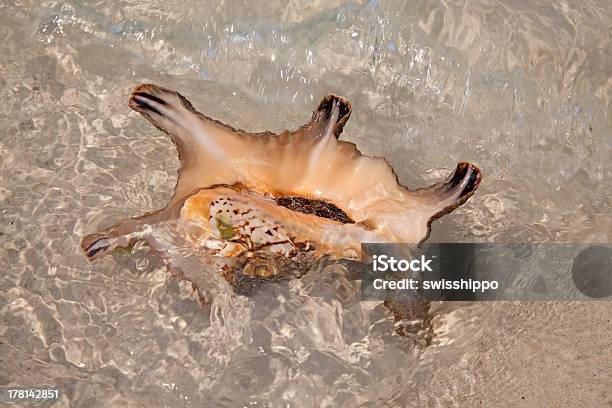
521 88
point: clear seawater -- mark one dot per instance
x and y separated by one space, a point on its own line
521 88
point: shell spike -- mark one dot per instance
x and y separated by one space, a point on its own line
455 190
333 111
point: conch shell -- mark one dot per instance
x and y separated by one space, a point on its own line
294 196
